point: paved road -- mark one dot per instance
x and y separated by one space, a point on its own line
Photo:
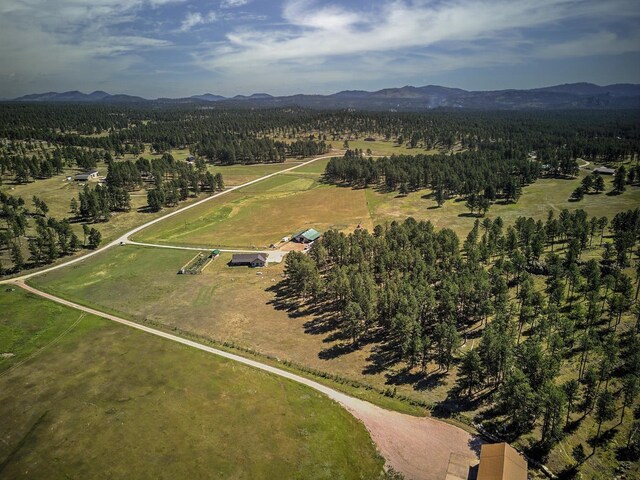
418 447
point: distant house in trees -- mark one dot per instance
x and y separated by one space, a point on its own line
605 170
86 176
248 259
500 461
369 139
306 236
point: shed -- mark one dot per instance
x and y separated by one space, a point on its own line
500 461
86 176
605 170
249 259
306 236
214 253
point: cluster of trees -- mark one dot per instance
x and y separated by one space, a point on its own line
481 177
229 149
28 162
173 180
47 240
169 193
25 168
96 204
541 312
629 175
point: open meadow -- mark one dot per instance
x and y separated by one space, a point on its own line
82 397
227 304
261 214
536 201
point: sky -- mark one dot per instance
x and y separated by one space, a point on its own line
177 48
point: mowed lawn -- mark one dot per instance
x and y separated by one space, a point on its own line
536 201
87 398
263 213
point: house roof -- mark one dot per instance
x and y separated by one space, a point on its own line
248 257
608 170
500 461
87 174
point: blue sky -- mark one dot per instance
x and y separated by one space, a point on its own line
180 47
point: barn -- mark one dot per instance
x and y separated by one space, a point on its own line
306 236
86 176
604 170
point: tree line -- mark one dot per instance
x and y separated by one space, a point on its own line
481 177
542 308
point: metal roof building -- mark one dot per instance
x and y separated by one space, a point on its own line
307 236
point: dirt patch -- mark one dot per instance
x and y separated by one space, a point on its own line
419 447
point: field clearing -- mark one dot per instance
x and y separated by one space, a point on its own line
223 303
55 191
238 174
382 147
536 201
263 213
162 410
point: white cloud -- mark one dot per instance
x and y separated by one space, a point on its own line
233 3
599 43
194 19
321 32
70 43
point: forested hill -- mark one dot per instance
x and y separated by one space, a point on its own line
407 98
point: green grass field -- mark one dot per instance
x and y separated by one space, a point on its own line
87 398
382 147
263 213
536 201
57 192
222 303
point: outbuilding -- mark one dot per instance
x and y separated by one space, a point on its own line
500 461
604 170
248 259
86 176
306 236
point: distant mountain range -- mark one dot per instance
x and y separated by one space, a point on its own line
572 95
